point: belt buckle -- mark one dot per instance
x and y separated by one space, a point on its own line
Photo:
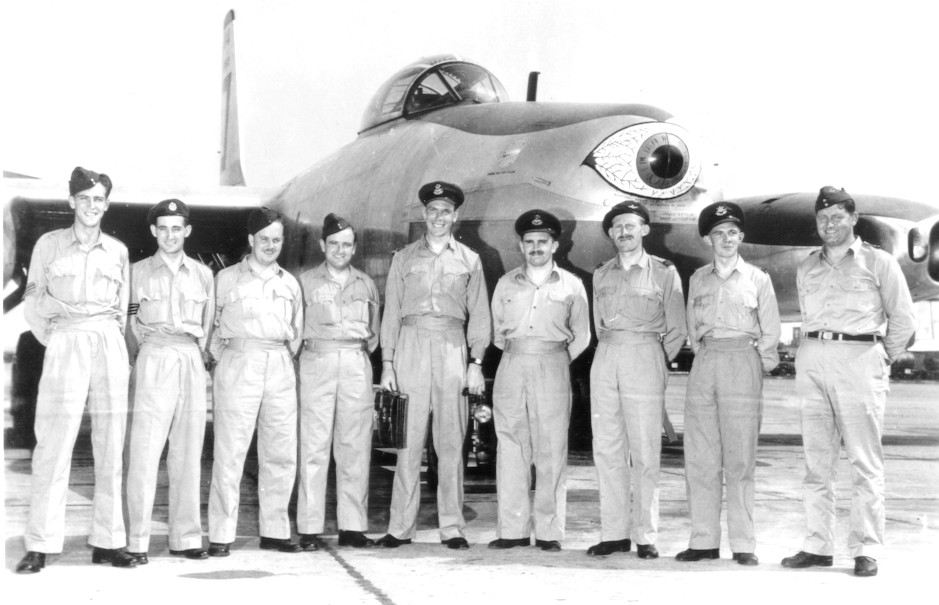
826 335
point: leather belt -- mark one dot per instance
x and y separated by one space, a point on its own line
523 346
822 335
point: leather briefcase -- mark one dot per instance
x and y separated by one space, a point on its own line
391 409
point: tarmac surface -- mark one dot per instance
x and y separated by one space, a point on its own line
426 572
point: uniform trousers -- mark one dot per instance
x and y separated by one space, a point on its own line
532 410
254 386
85 362
336 410
627 399
843 387
723 409
430 366
169 402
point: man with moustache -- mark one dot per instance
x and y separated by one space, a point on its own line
733 326
76 305
258 332
541 319
172 311
434 332
341 328
639 315
857 317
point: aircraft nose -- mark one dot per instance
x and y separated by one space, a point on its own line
652 159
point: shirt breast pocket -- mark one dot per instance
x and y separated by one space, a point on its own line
642 303
64 277
359 309
107 284
322 305
558 306
154 306
194 301
513 309
703 308
863 294
417 275
455 278
742 310
608 303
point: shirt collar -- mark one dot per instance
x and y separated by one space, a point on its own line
642 263
72 240
451 243
554 277
245 267
321 270
160 261
739 265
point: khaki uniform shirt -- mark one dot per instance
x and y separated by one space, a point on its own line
69 281
556 311
450 284
742 305
336 311
646 297
181 303
863 293
259 307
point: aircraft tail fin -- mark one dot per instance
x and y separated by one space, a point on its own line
230 173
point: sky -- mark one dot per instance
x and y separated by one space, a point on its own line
788 97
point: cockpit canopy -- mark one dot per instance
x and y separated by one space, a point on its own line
431 83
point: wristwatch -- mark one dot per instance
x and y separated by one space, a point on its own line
476 360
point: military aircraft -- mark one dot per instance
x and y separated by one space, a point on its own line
445 118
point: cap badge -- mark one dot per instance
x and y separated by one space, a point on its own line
537 220
172 206
720 211
633 206
438 190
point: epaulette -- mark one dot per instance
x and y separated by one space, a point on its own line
871 244
664 261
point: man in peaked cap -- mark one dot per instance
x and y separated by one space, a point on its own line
541 319
76 304
172 309
733 326
341 328
639 316
857 317
436 315
258 332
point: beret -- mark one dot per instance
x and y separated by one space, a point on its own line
261 218
83 179
438 190
624 208
829 196
171 207
538 220
717 213
334 224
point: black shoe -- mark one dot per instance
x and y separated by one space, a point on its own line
804 559
647 551
355 539
117 557
694 554
217 549
548 545
746 558
140 557
609 547
504 543
279 544
389 541
196 554
865 567
458 543
311 542
32 562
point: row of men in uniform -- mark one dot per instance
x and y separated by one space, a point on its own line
857 317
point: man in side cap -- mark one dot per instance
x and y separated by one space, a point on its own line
76 304
341 328
258 332
172 309
541 319
733 326
434 332
639 315
857 317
